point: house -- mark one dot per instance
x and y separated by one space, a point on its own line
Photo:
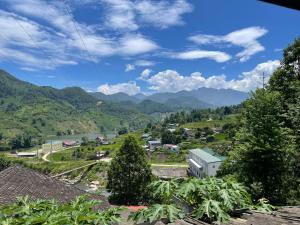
69 143
100 138
173 148
153 145
26 154
189 133
16 181
217 130
204 162
146 136
172 130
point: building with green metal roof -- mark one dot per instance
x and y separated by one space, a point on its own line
204 162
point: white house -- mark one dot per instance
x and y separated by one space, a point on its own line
204 162
174 148
153 145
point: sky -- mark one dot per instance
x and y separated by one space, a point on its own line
144 46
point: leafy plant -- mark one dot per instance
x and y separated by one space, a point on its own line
210 199
156 212
80 211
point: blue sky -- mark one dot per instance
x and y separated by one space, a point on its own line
144 46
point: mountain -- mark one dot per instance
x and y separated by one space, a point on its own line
195 99
188 102
25 107
207 96
118 97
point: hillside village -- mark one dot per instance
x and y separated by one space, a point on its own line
149 112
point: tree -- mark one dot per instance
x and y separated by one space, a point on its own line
4 163
129 174
123 130
265 148
84 141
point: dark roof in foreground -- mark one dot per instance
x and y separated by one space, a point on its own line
16 181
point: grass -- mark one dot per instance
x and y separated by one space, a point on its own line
212 123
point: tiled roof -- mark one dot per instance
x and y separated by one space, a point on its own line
17 181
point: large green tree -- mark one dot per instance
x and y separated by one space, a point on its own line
129 174
265 148
267 152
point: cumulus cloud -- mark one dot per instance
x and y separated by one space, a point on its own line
172 81
129 67
200 54
245 38
130 88
129 15
136 44
145 74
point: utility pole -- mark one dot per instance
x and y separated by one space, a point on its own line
263 80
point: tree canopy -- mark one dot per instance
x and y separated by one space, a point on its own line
129 174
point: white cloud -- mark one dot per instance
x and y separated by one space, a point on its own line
130 88
136 44
60 39
129 15
200 54
163 14
129 67
144 63
253 79
245 38
120 15
145 74
172 81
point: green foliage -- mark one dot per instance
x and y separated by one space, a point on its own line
167 137
34 110
4 163
156 212
262 157
163 190
129 173
267 152
80 211
211 199
123 130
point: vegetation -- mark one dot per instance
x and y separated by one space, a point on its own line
29 110
210 199
129 174
79 211
266 156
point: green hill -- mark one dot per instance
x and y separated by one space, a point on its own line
27 108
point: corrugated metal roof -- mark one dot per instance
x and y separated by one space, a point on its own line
207 155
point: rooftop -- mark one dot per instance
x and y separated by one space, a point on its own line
16 181
207 155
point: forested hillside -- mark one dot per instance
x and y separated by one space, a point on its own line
27 108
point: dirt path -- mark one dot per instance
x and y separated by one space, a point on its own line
48 153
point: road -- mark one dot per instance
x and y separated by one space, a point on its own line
45 158
48 153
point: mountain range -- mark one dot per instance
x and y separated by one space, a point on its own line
43 110
35 110
195 99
